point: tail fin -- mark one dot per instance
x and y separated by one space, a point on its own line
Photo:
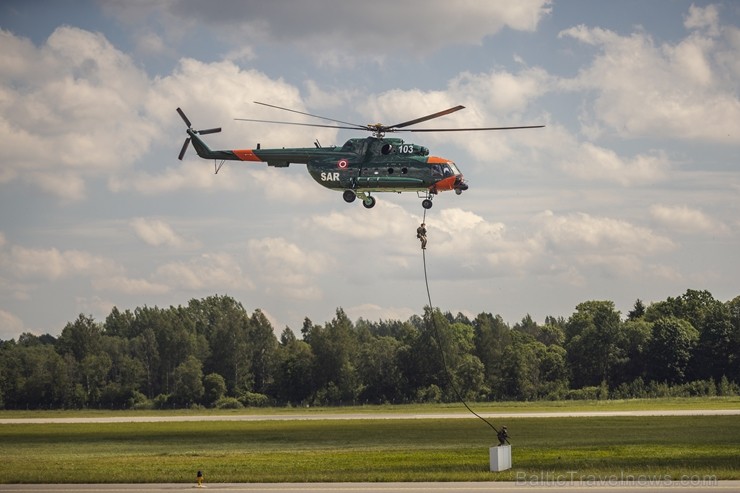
200 147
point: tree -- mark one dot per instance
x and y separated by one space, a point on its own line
214 388
335 347
33 376
262 343
532 370
80 338
94 370
635 338
733 306
294 381
120 324
224 323
670 349
491 336
716 350
146 351
378 370
592 342
638 311
188 386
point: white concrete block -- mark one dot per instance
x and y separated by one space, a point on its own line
500 458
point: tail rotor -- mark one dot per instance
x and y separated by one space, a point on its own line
192 132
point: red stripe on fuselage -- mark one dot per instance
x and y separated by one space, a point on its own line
246 155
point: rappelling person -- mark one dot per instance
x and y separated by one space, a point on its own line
503 436
421 233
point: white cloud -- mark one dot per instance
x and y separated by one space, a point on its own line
75 103
218 271
672 91
127 285
285 269
190 175
503 92
52 264
477 247
706 18
684 219
580 248
581 233
308 28
10 325
372 312
385 220
591 162
213 94
157 232
280 187
151 43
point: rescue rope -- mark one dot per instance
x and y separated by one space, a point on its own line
439 343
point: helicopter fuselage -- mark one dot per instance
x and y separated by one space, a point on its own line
359 167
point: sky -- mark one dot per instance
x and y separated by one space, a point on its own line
632 190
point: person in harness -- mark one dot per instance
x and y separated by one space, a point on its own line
421 233
503 436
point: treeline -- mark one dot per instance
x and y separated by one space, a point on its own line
213 353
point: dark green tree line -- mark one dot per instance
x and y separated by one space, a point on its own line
212 352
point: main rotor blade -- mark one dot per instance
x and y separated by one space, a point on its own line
461 129
184 148
425 118
184 118
209 131
303 124
354 125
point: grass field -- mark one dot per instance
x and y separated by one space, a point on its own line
673 403
369 450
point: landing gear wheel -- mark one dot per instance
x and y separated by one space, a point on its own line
349 196
426 203
368 202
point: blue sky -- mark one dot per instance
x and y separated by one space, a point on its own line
631 191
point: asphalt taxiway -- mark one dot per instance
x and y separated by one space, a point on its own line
457 487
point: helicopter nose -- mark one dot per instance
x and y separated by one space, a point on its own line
460 183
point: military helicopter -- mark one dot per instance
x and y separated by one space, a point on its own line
361 166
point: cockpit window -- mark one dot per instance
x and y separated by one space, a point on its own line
444 170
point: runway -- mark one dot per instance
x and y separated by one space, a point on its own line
350 416
494 487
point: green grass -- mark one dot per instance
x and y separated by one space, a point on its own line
369 450
673 403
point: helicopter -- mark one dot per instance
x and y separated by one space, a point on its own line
361 166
